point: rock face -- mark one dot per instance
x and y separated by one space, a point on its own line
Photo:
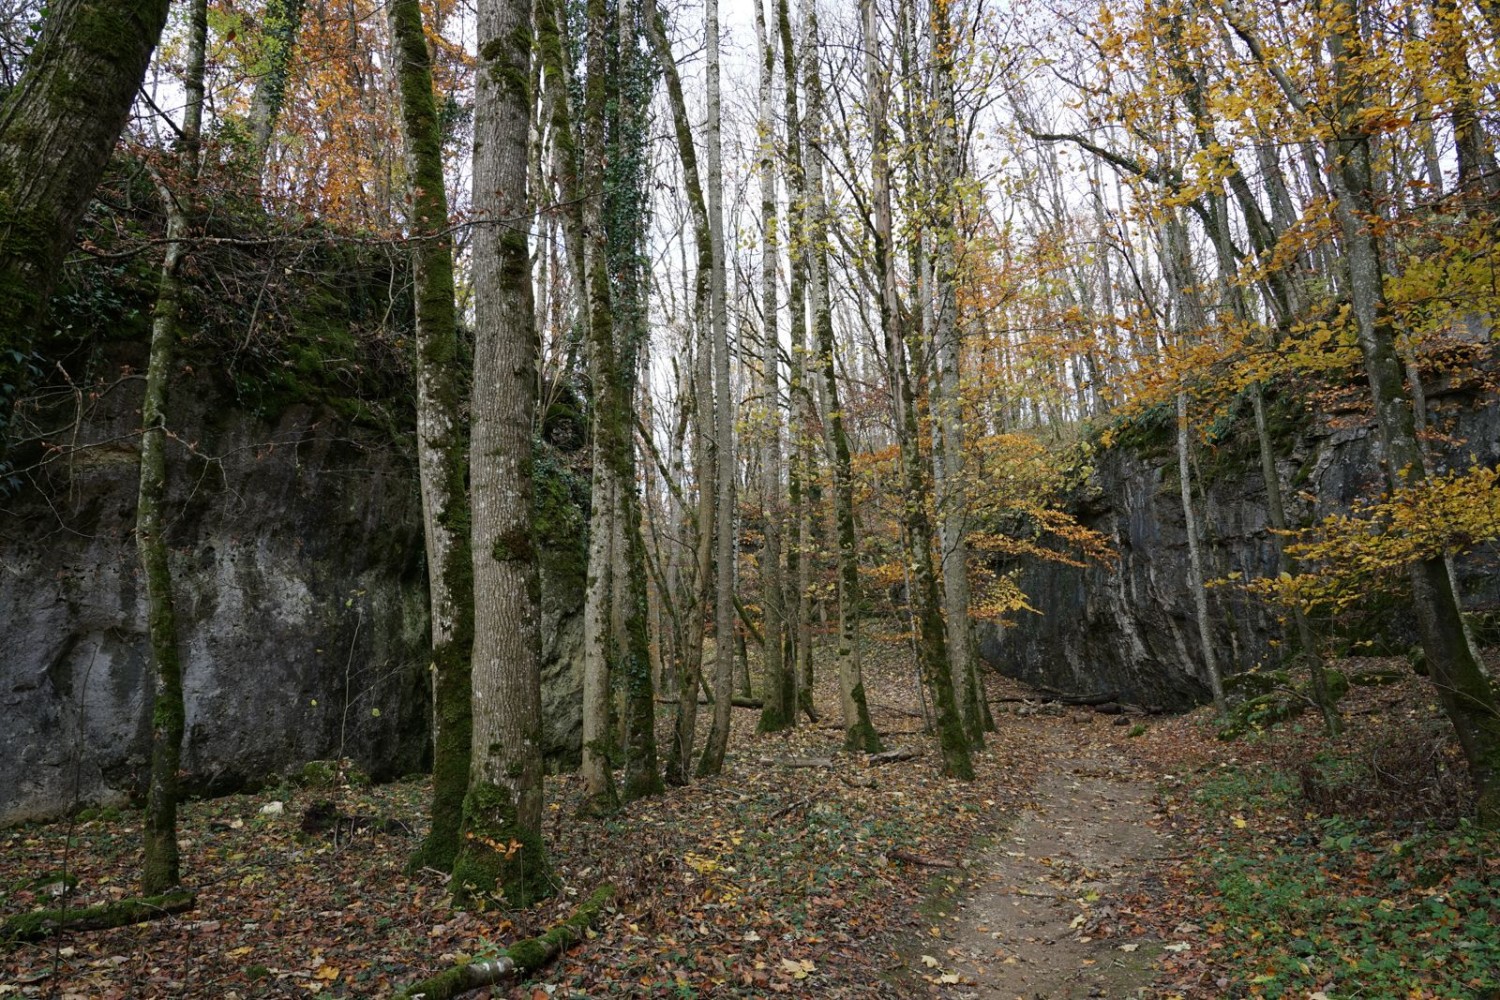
1129 627
300 585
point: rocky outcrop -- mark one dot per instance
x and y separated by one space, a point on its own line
300 583
1128 627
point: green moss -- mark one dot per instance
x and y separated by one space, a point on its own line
498 857
861 737
328 773
40 924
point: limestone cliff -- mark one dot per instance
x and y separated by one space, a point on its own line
1128 627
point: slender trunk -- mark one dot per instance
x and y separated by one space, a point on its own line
1195 556
1463 689
859 731
161 867
442 445
705 458
712 761
779 689
627 200
802 472
595 307
947 401
599 794
932 648
502 849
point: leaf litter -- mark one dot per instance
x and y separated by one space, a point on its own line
774 879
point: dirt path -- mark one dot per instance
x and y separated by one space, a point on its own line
1049 920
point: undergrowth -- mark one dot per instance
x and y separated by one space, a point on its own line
1340 869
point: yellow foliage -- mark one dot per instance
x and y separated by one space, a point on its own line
1347 556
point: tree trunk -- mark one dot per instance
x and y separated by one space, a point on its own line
627 198
1195 556
859 732
679 763
58 127
932 646
780 692
442 445
946 398
280 24
801 471
161 869
712 761
1463 690
502 849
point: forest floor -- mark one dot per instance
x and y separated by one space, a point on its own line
1087 859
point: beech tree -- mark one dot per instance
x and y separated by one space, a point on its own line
442 444
502 848
161 870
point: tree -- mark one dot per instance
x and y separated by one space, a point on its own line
944 392
859 732
281 22
502 848
161 869
705 458
442 445
1463 689
932 645
712 761
780 694
58 127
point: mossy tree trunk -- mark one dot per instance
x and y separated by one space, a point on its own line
442 445
578 170
945 394
1462 687
932 642
501 848
779 693
58 127
797 661
161 867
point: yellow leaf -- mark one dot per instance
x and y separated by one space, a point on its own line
328 972
929 961
240 951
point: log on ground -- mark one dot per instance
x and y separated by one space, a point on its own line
41 924
519 959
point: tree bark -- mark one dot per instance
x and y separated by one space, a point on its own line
859 732
442 445
280 25
502 848
712 761
1463 689
58 127
946 399
161 868
779 693
932 645
519 959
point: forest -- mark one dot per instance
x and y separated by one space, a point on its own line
881 498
